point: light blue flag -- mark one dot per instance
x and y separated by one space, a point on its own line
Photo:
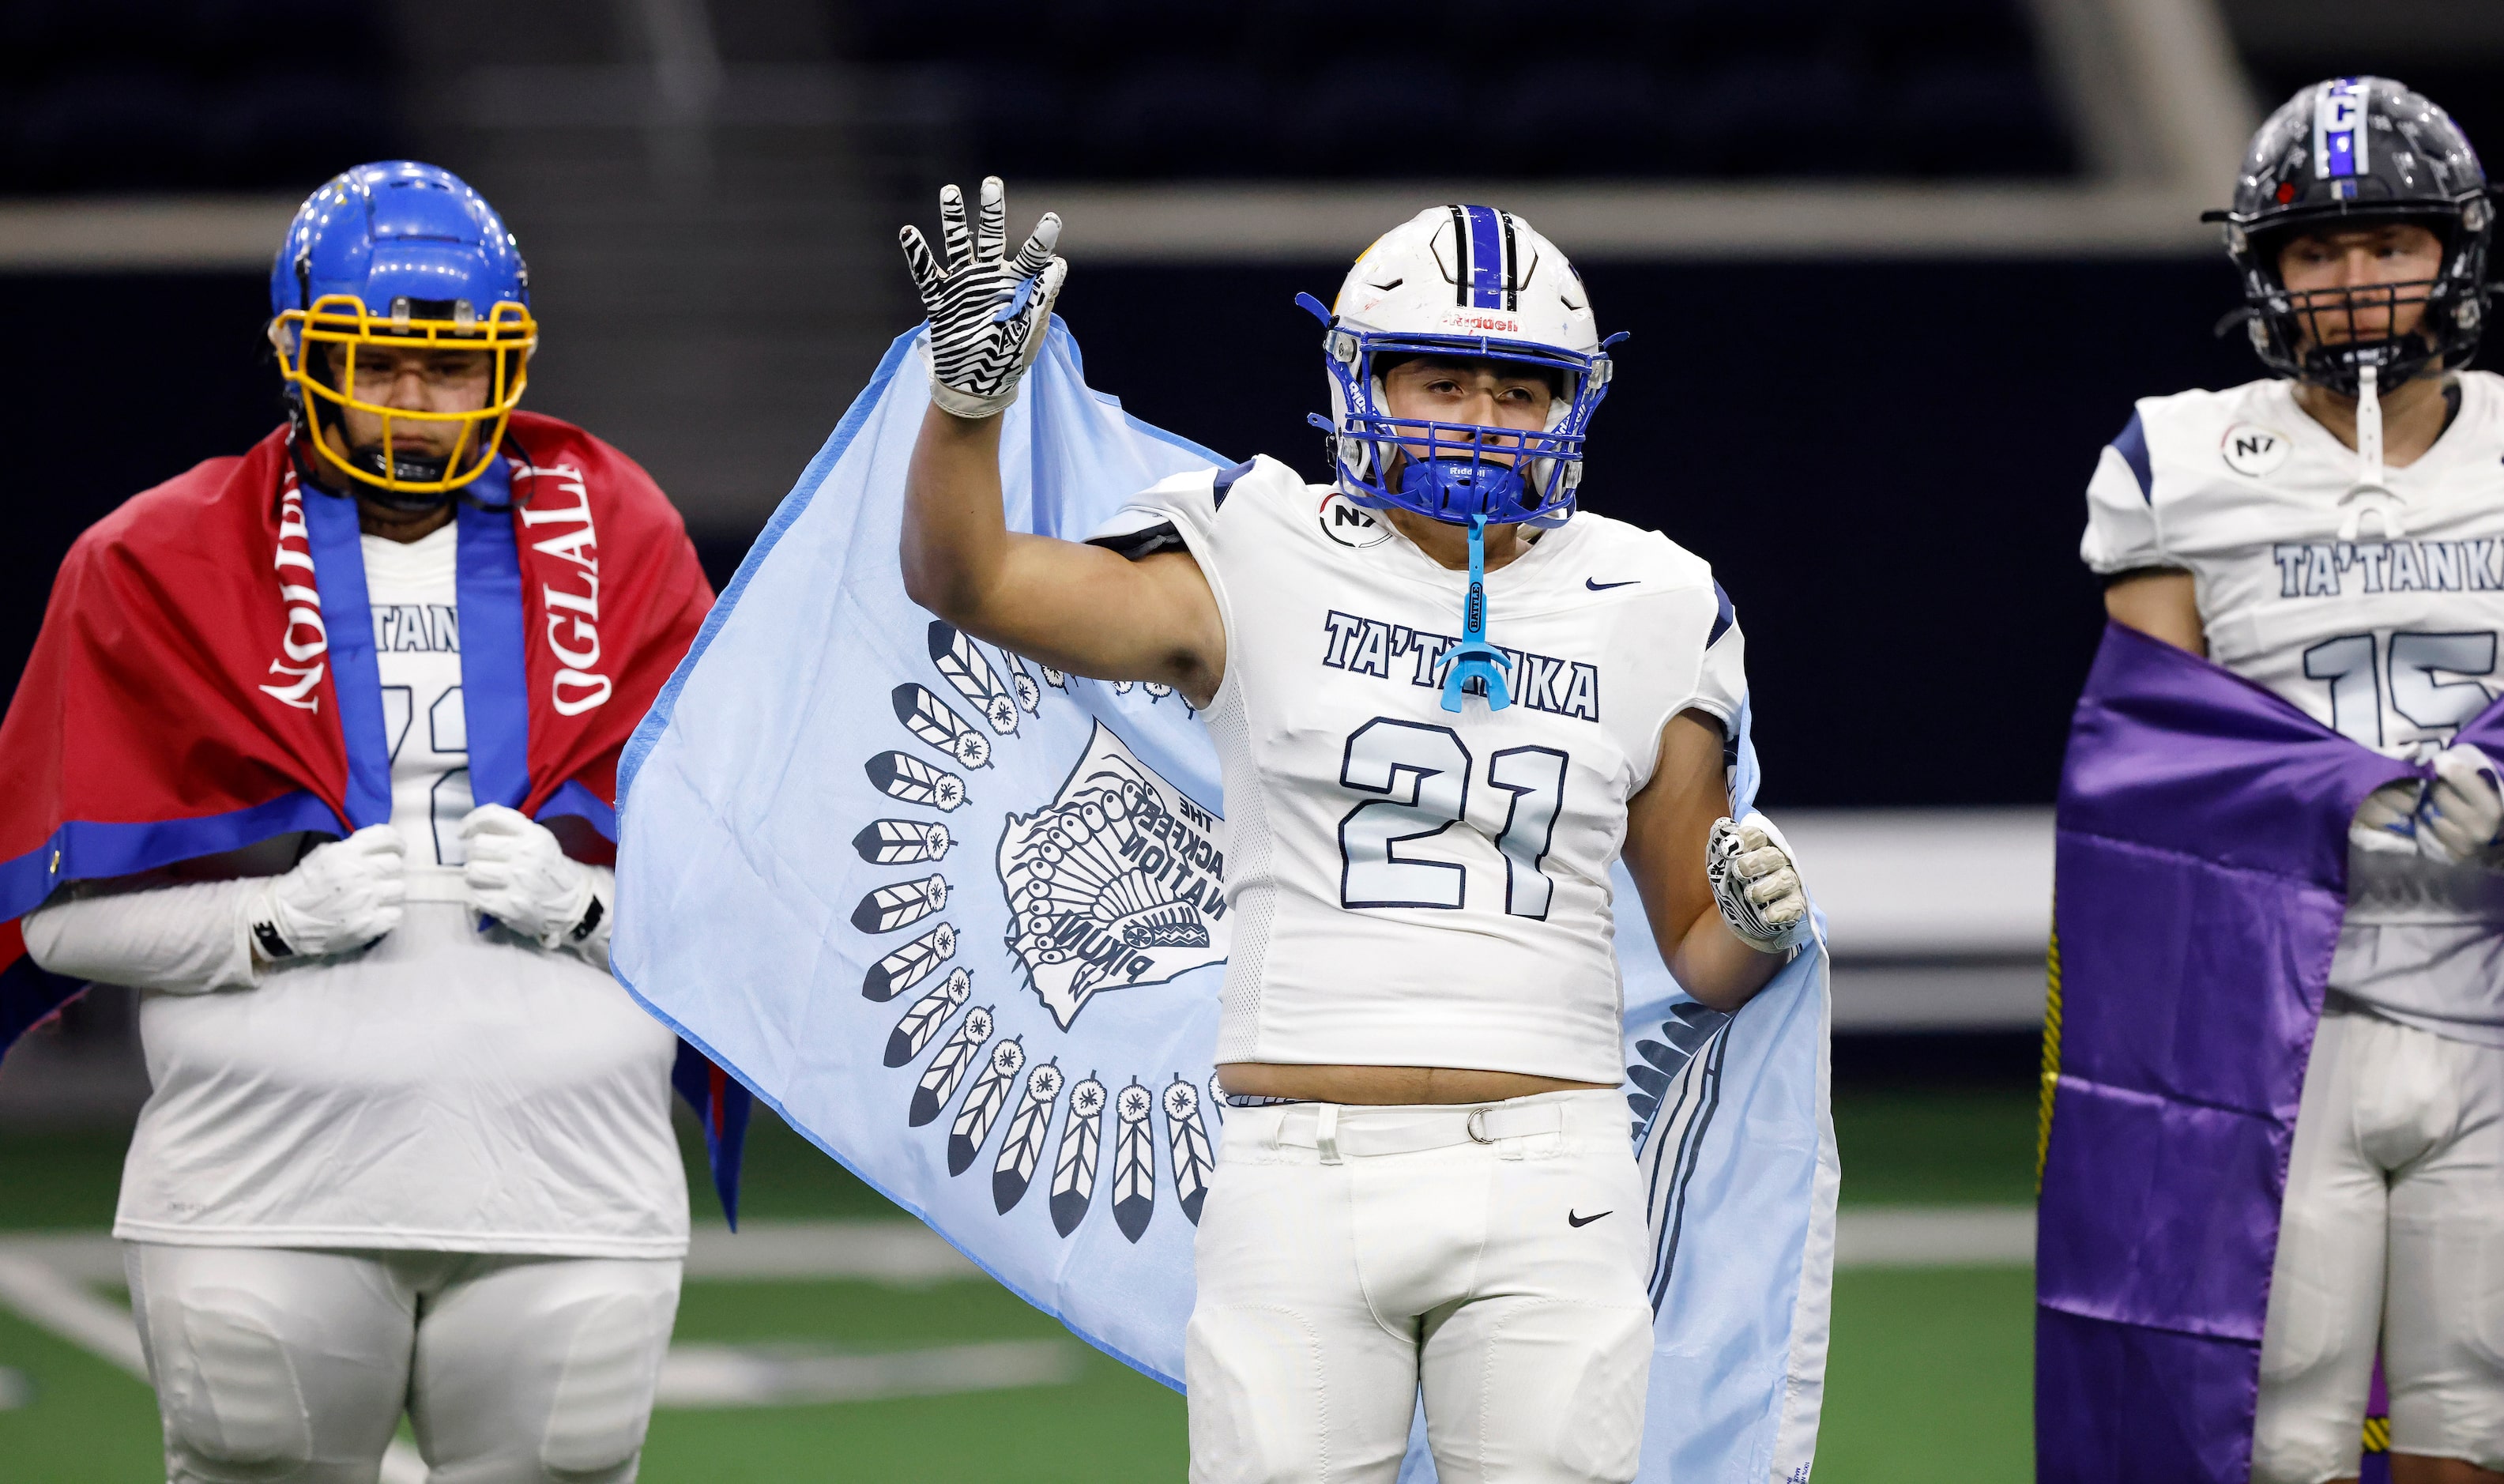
956 917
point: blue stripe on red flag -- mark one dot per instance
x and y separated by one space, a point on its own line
494 683
356 677
92 848
722 1105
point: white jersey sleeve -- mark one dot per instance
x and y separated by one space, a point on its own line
1722 681
2121 507
184 939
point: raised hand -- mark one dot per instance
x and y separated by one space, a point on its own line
987 312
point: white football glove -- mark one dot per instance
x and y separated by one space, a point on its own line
2453 817
2386 823
1755 885
988 315
338 899
518 874
2463 807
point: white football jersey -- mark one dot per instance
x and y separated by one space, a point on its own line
1413 887
444 1089
2382 625
412 588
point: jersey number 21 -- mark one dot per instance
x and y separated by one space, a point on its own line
1423 774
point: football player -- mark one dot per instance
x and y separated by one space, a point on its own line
408 1148
1446 703
2308 531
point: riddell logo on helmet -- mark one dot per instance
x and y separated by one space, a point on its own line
1483 322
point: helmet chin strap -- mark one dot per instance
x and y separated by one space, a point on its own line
1474 658
314 470
371 459
2368 493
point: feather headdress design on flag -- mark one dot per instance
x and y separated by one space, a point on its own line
983 1103
1192 1158
902 776
962 666
931 719
1082 1143
1118 882
1022 1150
1134 1161
927 1015
910 964
887 908
901 841
947 1069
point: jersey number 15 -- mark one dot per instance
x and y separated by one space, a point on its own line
2415 659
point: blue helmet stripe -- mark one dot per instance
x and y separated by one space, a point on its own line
2340 151
1484 248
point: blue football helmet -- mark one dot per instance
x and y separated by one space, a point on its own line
398 253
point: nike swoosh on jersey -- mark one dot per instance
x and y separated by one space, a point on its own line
1571 1220
1602 587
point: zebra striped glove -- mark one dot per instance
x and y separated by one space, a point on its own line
987 314
1755 885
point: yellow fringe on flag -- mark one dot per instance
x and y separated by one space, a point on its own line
2051 1054
2378 1434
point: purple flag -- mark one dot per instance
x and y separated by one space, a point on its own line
2202 876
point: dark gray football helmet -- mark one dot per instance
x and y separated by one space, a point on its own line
2358 150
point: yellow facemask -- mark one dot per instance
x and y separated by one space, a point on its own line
507 331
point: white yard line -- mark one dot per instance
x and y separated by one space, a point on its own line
764 1375
892 1252
45 1281
1934 1236
61 1303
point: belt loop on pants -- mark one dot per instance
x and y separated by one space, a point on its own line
1326 1131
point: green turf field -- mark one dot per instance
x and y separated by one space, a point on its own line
1929 1378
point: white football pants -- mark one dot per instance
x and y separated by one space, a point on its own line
1349 1255
2393 1231
273 1364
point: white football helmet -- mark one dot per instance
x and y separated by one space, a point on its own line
1461 281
